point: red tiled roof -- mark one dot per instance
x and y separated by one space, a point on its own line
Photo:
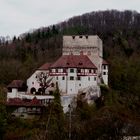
20 102
73 61
35 101
15 101
45 66
16 84
105 62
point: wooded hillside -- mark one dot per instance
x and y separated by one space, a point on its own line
120 32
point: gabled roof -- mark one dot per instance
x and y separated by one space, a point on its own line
73 61
16 84
45 66
105 62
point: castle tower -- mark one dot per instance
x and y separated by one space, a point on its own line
90 45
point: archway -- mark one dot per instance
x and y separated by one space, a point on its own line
33 90
41 91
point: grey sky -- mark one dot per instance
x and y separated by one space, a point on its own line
19 16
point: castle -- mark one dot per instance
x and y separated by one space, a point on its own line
80 69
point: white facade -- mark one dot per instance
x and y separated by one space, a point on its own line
33 81
73 82
13 94
24 95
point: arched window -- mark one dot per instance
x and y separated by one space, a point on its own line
41 91
33 90
52 85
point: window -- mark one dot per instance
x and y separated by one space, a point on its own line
88 78
86 36
104 66
40 91
23 109
104 73
79 85
78 71
71 78
80 36
60 70
72 70
89 71
34 109
94 71
63 78
82 70
86 70
33 90
78 78
94 78
53 70
56 77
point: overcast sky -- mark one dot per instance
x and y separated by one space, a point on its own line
19 16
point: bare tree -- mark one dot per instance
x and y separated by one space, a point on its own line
41 79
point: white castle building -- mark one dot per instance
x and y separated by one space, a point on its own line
80 69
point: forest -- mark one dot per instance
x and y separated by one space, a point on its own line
115 114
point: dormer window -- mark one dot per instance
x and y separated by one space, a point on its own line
68 63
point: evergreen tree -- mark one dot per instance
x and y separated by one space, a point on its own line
56 123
